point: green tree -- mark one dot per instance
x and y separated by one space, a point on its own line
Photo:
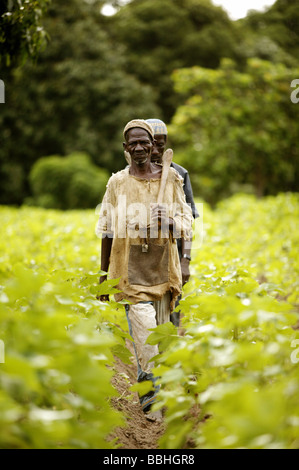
280 24
22 34
76 97
160 38
237 128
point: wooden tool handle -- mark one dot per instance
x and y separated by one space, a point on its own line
167 159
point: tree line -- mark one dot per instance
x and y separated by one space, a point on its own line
222 87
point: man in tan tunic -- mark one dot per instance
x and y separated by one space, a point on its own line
139 243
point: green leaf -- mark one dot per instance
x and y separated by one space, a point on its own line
105 288
122 353
163 335
142 388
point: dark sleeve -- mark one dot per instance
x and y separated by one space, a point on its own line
189 195
187 187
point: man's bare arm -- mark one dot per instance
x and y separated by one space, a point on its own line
105 260
185 259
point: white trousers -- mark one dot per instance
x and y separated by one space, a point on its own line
141 318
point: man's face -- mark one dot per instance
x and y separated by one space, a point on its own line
139 145
158 148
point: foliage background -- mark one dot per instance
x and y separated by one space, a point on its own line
237 361
73 78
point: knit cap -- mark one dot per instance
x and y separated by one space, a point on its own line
139 123
158 126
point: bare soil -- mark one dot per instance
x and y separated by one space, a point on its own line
139 432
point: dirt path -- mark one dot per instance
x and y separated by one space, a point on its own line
139 432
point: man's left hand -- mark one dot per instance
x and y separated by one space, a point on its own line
185 270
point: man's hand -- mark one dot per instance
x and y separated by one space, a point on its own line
185 270
105 259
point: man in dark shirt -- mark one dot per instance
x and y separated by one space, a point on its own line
184 248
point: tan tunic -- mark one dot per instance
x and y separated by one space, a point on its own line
125 215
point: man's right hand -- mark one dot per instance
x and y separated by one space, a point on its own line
105 258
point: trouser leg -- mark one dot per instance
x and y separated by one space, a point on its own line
162 308
175 316
141 318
